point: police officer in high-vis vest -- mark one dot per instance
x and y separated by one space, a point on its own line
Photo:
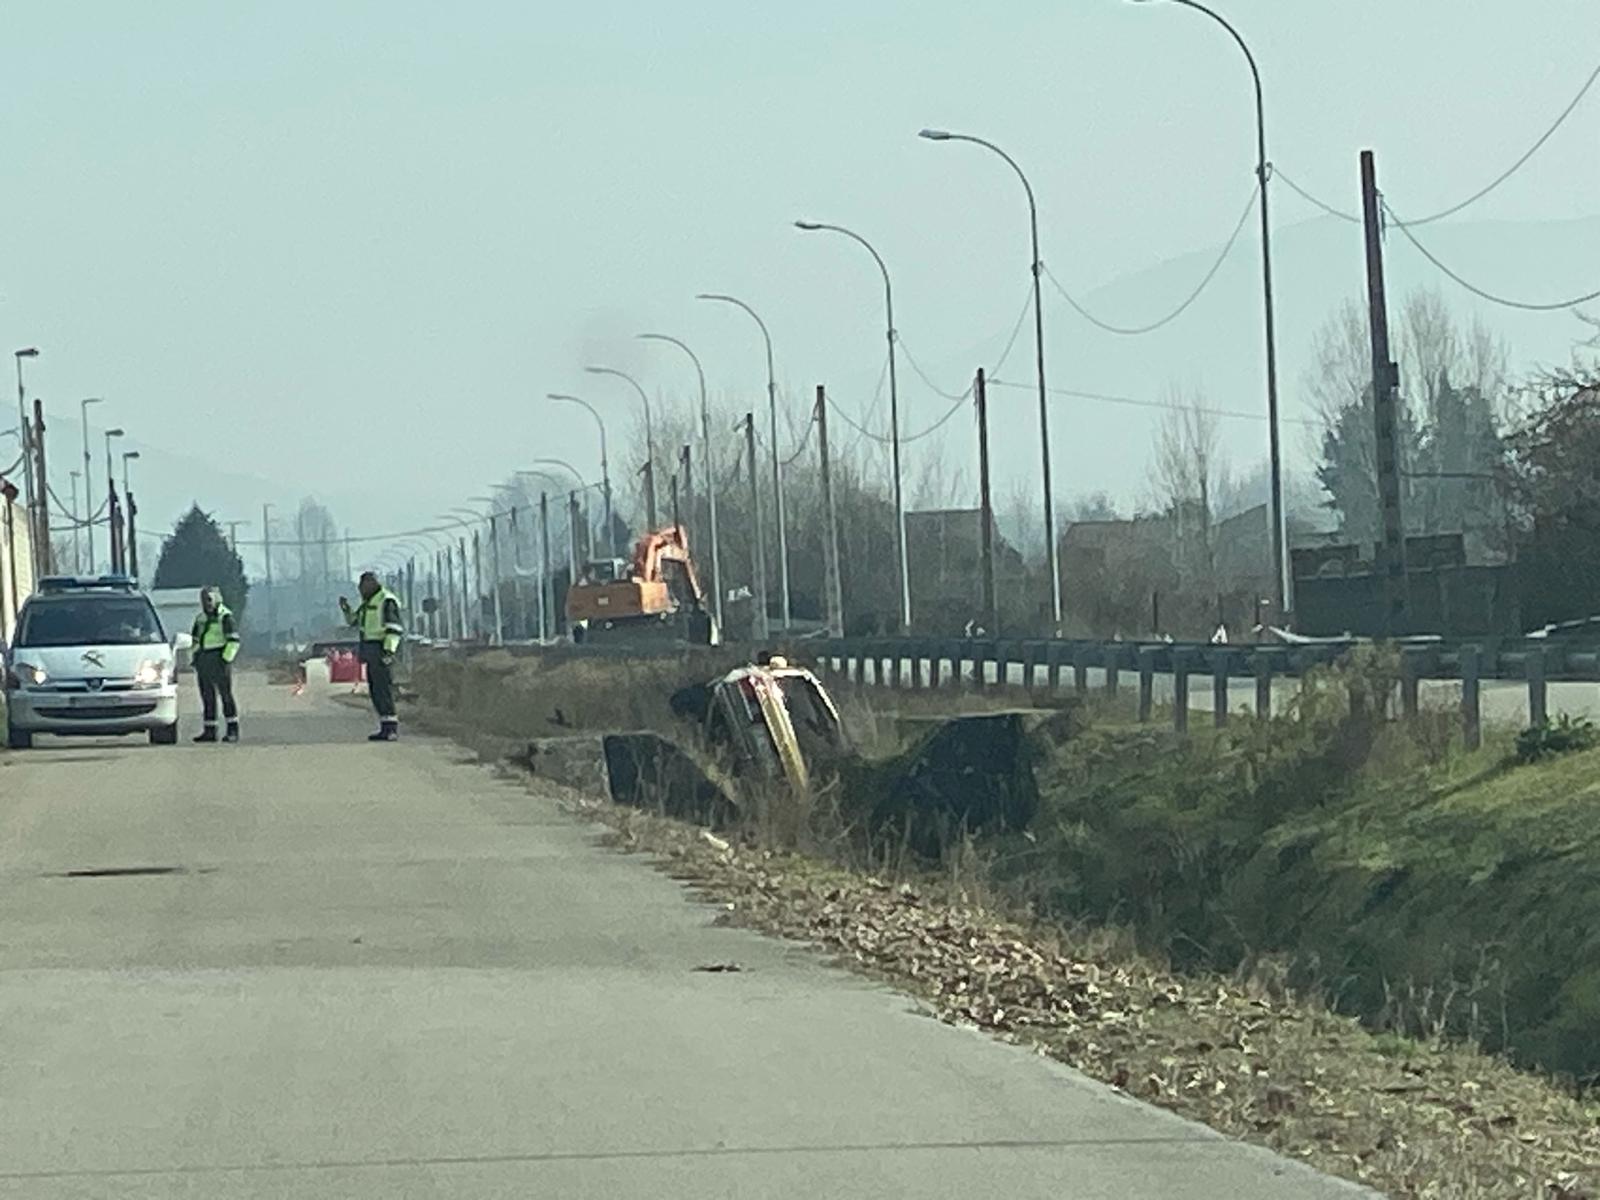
216 645
377 619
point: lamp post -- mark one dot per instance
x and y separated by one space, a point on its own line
710 468
944 135
772 428
88 476
649 441
131 550
605 466
27 458
894 414
127 457
1283 580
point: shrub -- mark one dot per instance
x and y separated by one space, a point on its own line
1549 739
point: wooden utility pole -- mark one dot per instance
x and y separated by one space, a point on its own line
546 591
677 518
133 535
830 542
1391 548
494 586
991 612
649 473
266 551
758 544
685 469
46 552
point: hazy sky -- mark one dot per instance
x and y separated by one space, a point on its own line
347 246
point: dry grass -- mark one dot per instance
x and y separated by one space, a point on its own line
1409 1118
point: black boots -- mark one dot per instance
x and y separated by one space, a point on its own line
388 731
233 732
209 734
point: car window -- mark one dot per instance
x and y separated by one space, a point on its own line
90 621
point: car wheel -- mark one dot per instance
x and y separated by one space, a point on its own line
18 739
167 735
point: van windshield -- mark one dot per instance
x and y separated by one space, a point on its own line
90 621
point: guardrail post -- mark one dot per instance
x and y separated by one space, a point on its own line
896 663
1220 664
1030 663
971 654
1471 722
1180 690
1538 691
1113 661
1147 682
935 650
1080 669
1410 677
916 664
1263 670
1002 663
1052 671
860 664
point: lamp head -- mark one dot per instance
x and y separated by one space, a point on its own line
808 226
111 433
30 352
127 454
936 135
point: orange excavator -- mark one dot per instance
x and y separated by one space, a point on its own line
654 596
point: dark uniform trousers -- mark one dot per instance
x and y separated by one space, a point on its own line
216 679
380 680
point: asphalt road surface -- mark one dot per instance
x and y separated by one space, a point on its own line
307 966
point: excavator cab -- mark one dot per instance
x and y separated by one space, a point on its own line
652 597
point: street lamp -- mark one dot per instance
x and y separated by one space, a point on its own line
649 441
894 413
711 469
777 469
88 476
127 457
77 533
944 135
27 464
1283 580
605 466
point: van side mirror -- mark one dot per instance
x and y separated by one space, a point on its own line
184 641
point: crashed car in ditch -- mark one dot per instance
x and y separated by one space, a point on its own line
776 722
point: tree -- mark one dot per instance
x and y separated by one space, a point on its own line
1453 383
1555 496
197 555
1189 475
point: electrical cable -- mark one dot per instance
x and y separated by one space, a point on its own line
1205 282
1594 76
1524 305
1172 406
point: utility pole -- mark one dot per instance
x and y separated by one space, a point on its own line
133 534
546 592
30 491
686 470
349 569
758 543
461 596
47 557
266 550
830 544
676 519
1391 549
574 517
494 566
991 612
477 586
77 529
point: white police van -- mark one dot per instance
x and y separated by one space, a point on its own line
89 657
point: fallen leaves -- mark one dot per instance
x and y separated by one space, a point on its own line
1289 1075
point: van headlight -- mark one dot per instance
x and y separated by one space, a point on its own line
151 673
30 675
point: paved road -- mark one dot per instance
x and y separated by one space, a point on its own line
377 971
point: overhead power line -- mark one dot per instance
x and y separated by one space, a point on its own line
1524 305
1588 84
1169 405
1205 282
